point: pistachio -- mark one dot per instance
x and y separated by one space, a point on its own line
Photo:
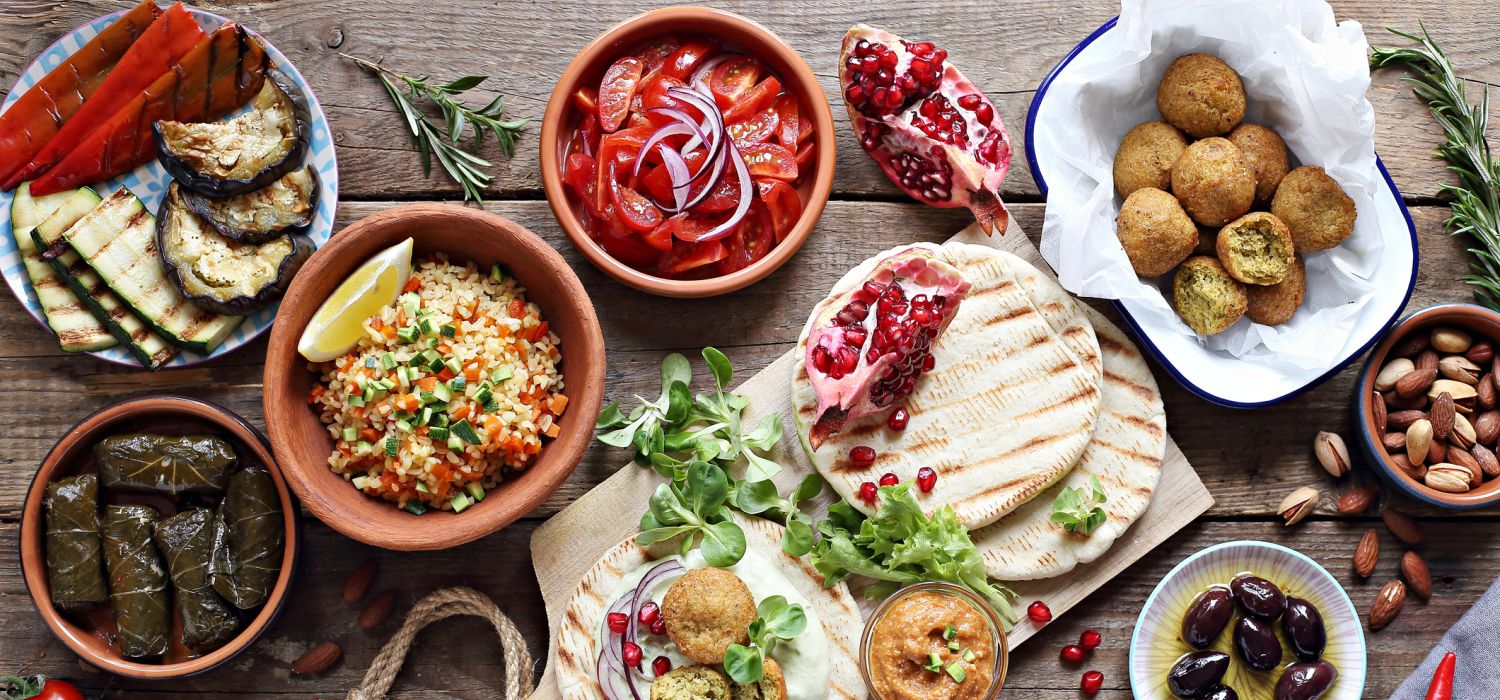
1392 371
1480 353
1331 453
1459 390
1463 434
1450 340
1459 369
1415 383
1418 440
1448 478
1298 504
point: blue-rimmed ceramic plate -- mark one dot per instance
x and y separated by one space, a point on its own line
1157 642
149 182
1218 376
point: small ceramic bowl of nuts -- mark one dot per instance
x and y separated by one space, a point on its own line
1428 406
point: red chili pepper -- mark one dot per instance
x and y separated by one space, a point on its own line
29 123
1442 681
164 43
221 73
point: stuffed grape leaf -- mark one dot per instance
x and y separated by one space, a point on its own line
137 581
74 575
150 463
249 534
186 542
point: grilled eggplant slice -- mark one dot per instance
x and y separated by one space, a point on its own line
282 207
217 273
244 154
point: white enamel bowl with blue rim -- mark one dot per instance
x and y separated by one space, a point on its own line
1220 377
149 182
1157 642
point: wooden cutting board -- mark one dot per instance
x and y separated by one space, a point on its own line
566 546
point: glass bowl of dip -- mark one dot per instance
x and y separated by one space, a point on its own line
928 626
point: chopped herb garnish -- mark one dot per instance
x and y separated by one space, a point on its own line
953 646
967 655
956 672
1081 509
950 632
934 662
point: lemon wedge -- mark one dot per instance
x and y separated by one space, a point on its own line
340 321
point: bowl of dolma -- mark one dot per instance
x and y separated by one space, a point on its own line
158 538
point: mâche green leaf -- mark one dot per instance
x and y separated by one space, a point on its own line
776 620
1079 509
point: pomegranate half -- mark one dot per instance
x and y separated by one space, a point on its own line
935 134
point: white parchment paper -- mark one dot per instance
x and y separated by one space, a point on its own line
1305 77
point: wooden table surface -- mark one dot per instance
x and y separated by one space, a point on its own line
1249 460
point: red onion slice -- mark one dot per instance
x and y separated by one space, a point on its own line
657 138
700 76
742 172
677 167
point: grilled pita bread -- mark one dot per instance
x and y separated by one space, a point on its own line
1125 453
1006 411
836 609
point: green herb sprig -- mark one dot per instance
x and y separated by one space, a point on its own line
695 508
445 143
776 621
1081 509
1476 199
760 498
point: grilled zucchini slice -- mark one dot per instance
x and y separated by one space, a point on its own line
218 273
76 327
285 206
244 154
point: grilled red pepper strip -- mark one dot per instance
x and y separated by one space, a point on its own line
29 123
1442 681
221 73
165 42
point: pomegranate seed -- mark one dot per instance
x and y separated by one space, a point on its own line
862 456
821 359
661 665
1091 683
1090 639
848 359
928 363
1073 654
970 101
868 492
618 621
659 627
648 613
1039 612
926 479
897 420
631 653
854 337
889 480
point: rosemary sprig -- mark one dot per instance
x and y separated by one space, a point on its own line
1476 200
445 143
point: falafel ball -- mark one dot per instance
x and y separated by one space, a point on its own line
1146 155
1318 212
1275 304
1207 298
691 683
1265 153
707 610
1155 232
771 686
1256 249
1201 95
1213 182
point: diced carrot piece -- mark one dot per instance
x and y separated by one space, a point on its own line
558 404
446 374
427 383
369 434
517 308
552 431
316 393
389 332
444 348
412 284
461 413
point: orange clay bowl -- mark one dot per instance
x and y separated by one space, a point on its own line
586 70
301 441
88 633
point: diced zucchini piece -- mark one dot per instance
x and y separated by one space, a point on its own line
475 491
441 392
438 434
422 486
448 331
388 361
458 385
392 447
350 435
464 430
455 443
501 374
415 508
460 502
407 334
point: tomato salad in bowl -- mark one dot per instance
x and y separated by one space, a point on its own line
689 157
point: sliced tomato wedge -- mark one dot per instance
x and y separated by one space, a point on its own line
805 157
586 100
616 91
653 53
654 96
749 242
619 149
789 123
756 129
622 245
685 59
581 175
770 160
588 132
686 257
758 99
734 78
804 129
782 206
632 207
724 197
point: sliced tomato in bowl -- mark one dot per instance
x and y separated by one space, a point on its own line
631 207
770 160
653 53
687 257
789 122
733 78
756 129
781 204
685 59
751 241
758 99
617 90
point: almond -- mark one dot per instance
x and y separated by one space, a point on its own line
1298 504
1401 420
1418 441
1484 392
1487 427
1437 452
1404 465
1388 603
377 610
1463 433
1465 459
1441 416
1397 403
1385 380
1448 478
1367 554
1377 407
1402 526
1480 353
1410 345
1414 570
1427 359
1332 453
1450 340
359 582
1489 465
318 659
1460 391
1357 500
1415 383
1395 443
1459 369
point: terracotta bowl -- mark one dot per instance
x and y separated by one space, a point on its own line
586 70
301 441
1476 320
87 634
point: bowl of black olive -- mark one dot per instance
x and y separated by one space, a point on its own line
1248 620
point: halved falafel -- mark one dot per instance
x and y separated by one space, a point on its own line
1318 212
1256 249
1265 153
1207 298
1213 182
1146 155
691 683
1201 95
1275 304
707 610
1155 232
772 685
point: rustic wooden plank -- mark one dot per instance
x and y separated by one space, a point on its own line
526 51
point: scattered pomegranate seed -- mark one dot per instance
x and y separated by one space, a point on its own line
618 621
862 456
1073 654
898 419
631 654
661 665
1092 682
868 492
1039 612
649 613
889 480
926 479
1090 640
659 627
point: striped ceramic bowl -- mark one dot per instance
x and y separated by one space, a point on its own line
1157 643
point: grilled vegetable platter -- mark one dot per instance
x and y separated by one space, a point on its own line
159 210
